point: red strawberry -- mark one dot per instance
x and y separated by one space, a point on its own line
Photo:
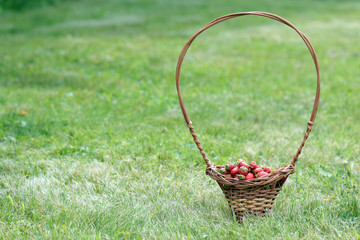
241 177
243 170
229 167
249 176
267 169
234 171
260 174
241 163
253 165
258 170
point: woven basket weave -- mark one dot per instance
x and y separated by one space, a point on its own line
255 196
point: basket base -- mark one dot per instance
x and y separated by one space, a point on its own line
254 201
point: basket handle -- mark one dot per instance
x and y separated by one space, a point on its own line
233 15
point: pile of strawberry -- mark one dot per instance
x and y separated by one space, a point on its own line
243 171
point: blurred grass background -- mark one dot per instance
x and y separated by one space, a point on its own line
93 143
19 5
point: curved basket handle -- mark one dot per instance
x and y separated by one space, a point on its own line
233 15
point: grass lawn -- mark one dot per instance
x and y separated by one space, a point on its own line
93 144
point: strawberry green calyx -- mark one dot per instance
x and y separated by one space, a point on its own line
241 177
243 170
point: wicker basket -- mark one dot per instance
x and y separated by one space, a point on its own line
255 196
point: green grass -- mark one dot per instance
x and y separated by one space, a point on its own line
93 144
19 5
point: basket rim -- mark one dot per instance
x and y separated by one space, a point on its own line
268 179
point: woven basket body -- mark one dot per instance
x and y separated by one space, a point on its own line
255 196
257 201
